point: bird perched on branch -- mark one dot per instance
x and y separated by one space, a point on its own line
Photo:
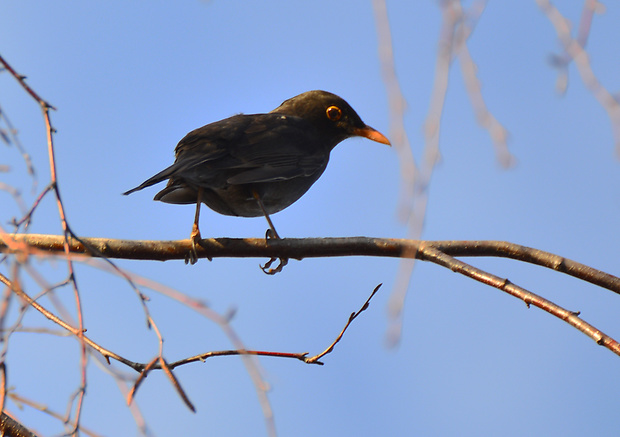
259 164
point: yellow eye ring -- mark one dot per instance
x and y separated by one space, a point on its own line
333 113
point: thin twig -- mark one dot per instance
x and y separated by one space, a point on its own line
223 321
469 70
302 356
353 316
561 62
45 109
27 217
45 409
13 139
143 374
176 384
575 49
105 352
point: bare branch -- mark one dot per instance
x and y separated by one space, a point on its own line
20 400
12 138
45 109
75 331
175 382
302 356
570 317
299 248
147 368
353 316
9 427
434 251
575 50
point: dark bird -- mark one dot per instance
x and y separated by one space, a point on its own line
259 164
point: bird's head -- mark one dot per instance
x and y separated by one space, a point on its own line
332 116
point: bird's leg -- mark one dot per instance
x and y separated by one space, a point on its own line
195 237
270 234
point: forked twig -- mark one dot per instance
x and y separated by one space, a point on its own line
75 331
175 382
143 374
456 28
20 401
302 356
574 49
12 138
353 316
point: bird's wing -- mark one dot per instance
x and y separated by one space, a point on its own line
251 149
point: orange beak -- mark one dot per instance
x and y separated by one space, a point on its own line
372 134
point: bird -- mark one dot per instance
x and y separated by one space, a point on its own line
252 165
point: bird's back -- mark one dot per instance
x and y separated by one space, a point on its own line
229 156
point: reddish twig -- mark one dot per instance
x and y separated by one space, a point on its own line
27 218
143 374
45 109
353 316
302 356
20 400
223 321
12 138
175 382
105 352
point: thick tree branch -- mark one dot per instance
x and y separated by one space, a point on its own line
570 317
299 248
9 427
438 252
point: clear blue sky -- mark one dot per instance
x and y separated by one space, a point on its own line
129 79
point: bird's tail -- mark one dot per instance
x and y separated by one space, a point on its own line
159 177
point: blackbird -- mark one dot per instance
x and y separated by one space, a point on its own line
256 165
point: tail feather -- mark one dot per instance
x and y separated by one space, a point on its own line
159 177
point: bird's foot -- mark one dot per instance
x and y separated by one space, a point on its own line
267 267
192 256
271 234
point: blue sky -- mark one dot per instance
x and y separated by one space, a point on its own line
129 79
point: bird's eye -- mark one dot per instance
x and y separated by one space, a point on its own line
334 113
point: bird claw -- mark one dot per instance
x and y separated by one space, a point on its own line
271 234
267 267
192 256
